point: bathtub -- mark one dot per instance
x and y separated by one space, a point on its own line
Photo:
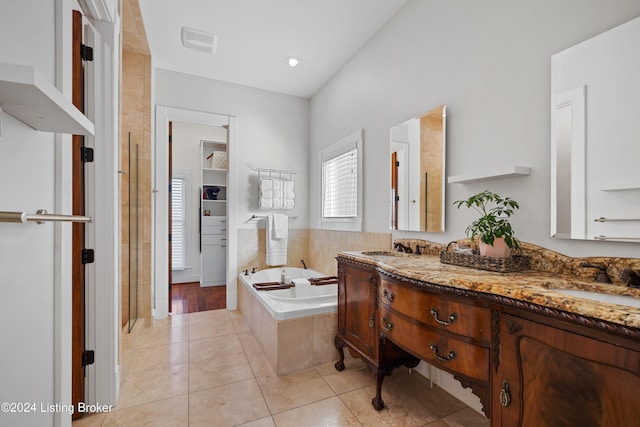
301 300
294 327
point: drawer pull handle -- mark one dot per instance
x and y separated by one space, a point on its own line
448 358
505 394
387 324
387 296
452 317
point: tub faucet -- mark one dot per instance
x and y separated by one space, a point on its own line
631 277
246 272
303 264
402 248
253 270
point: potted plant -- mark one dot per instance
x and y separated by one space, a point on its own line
493 230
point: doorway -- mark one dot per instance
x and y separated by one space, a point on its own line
165 115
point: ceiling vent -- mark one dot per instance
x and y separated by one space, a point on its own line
199 40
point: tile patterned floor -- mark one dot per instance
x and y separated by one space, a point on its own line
206 369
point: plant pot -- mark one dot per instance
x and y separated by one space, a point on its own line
499 249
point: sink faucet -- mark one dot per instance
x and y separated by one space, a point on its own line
601 275
402 248
420 248
631 277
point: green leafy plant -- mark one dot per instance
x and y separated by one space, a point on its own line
493 222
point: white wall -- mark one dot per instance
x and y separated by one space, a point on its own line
273 132
489 62
27 170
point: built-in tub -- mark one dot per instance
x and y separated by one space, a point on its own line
295 327
301 300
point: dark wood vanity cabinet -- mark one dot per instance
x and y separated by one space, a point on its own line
549 374
358 326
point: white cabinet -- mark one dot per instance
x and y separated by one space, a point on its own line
214 251
213 211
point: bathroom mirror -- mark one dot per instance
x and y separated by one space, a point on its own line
418 173
595 137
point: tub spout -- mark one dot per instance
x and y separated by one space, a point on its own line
303 264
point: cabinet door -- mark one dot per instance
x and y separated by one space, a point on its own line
356 308
551 377
214 265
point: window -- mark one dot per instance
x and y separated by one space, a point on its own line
178 223
342 184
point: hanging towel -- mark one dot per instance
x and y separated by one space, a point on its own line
277 225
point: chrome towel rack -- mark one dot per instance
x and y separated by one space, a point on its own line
265 217
41 216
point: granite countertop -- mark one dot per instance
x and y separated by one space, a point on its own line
531 286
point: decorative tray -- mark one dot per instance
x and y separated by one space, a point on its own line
500 265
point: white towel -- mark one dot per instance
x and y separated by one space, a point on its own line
288 185
276 247
265 203
288 204
266 184
266 194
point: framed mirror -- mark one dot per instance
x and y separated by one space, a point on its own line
417 158
595 137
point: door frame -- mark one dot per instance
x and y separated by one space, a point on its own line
102 297
163 115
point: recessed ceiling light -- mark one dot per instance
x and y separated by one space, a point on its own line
199 40
293 62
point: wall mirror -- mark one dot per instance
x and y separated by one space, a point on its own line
595 137
418 173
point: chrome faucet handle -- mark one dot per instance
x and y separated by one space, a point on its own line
601 275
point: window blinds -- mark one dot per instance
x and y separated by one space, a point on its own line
340 185
178 220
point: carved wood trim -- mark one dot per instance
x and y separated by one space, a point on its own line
512 327
495 315
480 390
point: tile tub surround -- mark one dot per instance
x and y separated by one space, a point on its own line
532 286
289 345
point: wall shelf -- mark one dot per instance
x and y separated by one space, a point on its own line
496 173
30 98
628 187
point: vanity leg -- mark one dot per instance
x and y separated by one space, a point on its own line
377 401
337 341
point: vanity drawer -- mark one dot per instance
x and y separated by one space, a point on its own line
214 239
437 311
429 345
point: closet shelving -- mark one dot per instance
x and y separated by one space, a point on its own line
214 177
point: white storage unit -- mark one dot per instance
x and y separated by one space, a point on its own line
213 235
214 251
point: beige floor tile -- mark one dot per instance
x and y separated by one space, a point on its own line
169 412
207 348
400 408
249 342
171 321
354 376
90 420
151 337
262 422
208 329
467 417
221 316
293 390
158 356
153 384
259 364
219 370
439 423
238 322
436 400
227 405
328 412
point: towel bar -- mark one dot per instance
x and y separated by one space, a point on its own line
41 217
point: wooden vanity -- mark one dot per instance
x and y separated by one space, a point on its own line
531 364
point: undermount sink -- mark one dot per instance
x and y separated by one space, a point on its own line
597 296
384 253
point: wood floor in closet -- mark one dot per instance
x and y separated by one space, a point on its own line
191 298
